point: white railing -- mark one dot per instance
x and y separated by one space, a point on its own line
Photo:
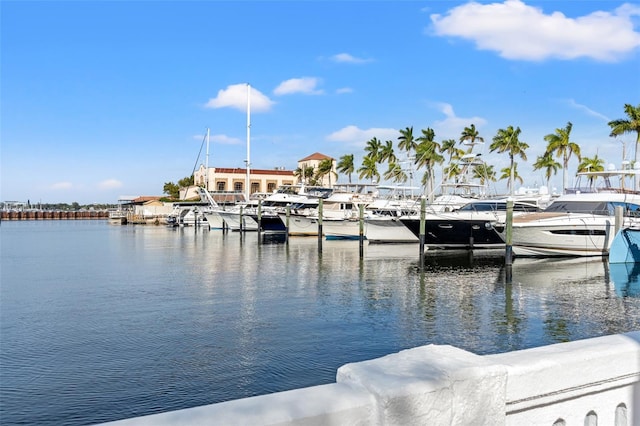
585 382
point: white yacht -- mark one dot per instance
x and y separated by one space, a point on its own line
581 222
383 225
340 213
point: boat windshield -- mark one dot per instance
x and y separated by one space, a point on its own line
497 206
599 208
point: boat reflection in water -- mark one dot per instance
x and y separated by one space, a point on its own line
625 278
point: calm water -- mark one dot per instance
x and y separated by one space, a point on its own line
102 322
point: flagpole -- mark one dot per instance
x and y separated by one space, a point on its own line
248 179
206 167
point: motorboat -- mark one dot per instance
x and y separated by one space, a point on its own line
237 219
582 222
386 227
469 227
340 210
382 224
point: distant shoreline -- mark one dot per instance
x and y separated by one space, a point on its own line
53 215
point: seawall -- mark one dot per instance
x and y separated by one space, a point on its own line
52 215
592 381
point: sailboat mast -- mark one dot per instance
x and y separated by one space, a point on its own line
206 166
248 179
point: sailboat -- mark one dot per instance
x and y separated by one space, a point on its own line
237 217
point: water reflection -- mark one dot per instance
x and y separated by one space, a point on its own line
625 278
553 271
158 319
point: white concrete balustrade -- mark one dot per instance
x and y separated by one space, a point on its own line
586 382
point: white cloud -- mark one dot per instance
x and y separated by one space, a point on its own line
587 110
349 59
235 96
220 139
519 31
352 135
226 140
110 184
306 85
344 90
451 127
61 186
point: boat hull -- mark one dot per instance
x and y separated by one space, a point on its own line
301 225
381 230
341 229
214 219
270 223
625 247
451 231
545 235
233 221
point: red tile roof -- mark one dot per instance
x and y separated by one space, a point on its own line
316 156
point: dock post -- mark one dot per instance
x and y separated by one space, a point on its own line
259 218
508 252
286 225
423 209
241 218
361 229
619 219
320 224
195 219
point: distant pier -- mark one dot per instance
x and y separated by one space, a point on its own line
52 215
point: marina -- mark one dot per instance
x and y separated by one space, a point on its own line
112 322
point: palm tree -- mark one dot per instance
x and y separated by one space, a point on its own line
506 140
484 173
428 155
369 168
407 143
470 135
550 165
559 143
307 174
449 147
373 148
325 167
395 173
386 153
453 169
595 164
345 165
511 173
622 126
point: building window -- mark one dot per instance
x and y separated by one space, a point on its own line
255 187
237 186
271 187
221 186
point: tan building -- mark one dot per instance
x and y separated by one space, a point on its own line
219 179
226 179
313 161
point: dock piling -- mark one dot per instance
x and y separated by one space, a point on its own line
508 253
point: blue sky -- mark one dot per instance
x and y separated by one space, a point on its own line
103 99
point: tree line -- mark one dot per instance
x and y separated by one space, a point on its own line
75 206
424 152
